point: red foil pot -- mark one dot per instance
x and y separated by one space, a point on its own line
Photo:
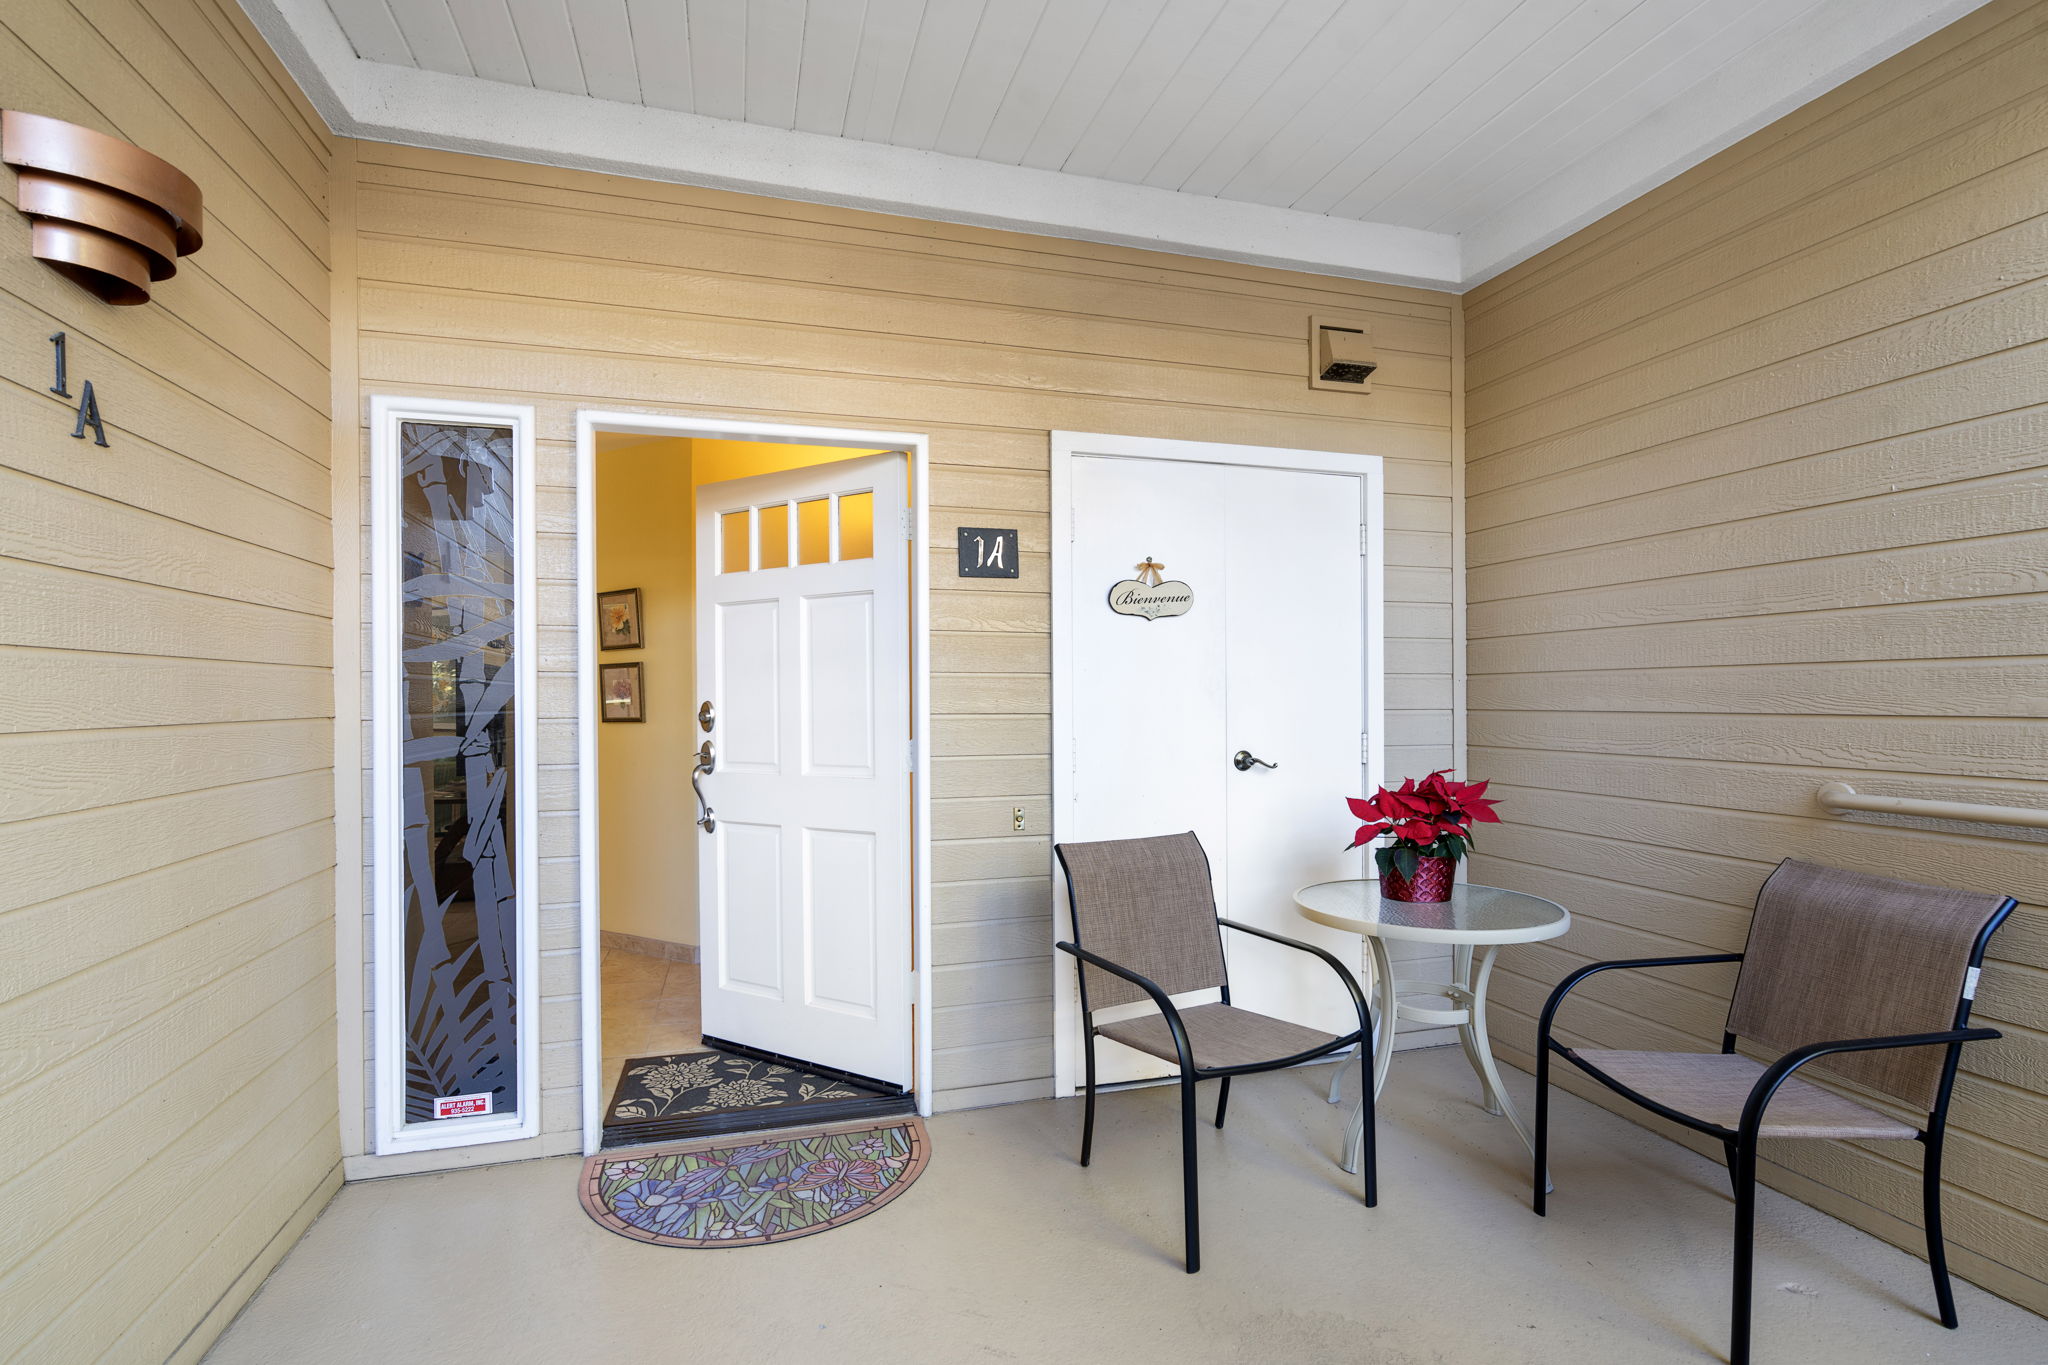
1432 881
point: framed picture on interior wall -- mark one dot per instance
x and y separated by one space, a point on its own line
618 619
620 687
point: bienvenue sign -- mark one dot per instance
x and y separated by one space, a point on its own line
1149 597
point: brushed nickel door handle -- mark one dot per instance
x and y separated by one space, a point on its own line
708 821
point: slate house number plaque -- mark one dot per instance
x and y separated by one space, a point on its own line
1149 595
986 552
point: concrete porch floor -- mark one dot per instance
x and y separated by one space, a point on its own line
1007 1250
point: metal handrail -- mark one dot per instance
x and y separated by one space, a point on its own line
1840 796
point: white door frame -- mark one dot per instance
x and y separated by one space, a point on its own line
710 427
1066 446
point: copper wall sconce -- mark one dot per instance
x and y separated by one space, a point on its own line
103 212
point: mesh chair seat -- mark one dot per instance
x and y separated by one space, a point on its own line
1219 1036
1713 1086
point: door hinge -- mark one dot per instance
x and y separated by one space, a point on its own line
1364 539
909 524
910 756
1365 748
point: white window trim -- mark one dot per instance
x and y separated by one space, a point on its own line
1067 446
387 801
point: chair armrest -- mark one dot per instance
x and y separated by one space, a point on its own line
1565 986
1780 1071
1167 1008
1344 973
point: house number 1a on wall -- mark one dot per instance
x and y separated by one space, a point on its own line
986 552
88 403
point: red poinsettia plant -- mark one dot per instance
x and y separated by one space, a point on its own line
1432 818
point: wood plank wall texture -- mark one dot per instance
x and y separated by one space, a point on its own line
167 1052
1756 493
495 280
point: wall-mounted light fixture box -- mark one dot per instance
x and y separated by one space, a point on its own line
1340 354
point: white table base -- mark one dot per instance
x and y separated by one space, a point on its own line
1467 994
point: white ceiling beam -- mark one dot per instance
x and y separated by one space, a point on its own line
466 114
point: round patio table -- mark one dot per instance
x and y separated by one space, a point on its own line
1483 917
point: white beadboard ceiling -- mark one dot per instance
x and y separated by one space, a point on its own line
1432 142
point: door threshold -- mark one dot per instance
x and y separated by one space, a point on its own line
762 1054
674 1096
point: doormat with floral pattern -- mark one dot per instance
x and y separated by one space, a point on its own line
763 1187
704 1094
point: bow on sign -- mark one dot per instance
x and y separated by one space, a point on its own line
1148 572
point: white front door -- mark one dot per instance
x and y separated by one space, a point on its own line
1273 658
803 659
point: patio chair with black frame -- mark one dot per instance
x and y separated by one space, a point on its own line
1153 932
1872 974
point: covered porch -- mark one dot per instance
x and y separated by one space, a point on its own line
1008 1250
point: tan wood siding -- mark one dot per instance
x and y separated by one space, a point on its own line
488 279
167 1050
1756 489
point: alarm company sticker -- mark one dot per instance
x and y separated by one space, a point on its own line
461 1106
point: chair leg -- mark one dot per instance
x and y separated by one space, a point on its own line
1088 1107
1542 1143
1937 1248
1191 1215
1745 1253
1369 1146
1222 1101
1728 1147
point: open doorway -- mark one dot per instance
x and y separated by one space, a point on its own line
752 689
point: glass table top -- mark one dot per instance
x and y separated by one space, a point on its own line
1473 914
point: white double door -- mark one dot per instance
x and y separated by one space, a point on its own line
1276 658
804 878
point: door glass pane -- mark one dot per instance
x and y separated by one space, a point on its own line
457 535
856 525
775 536
734 532
814 531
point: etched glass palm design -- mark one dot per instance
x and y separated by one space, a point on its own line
457 523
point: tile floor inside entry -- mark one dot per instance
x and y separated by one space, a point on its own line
1006 1249
650 1007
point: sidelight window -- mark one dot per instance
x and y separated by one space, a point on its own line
452 674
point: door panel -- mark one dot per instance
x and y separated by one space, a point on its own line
1295 697
803 652
839 921
746 640
839 693
1271 657
748 867
1147 714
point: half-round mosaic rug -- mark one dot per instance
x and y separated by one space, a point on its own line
760 1187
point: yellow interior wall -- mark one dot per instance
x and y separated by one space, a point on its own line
646 539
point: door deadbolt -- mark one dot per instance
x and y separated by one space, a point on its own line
706 717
